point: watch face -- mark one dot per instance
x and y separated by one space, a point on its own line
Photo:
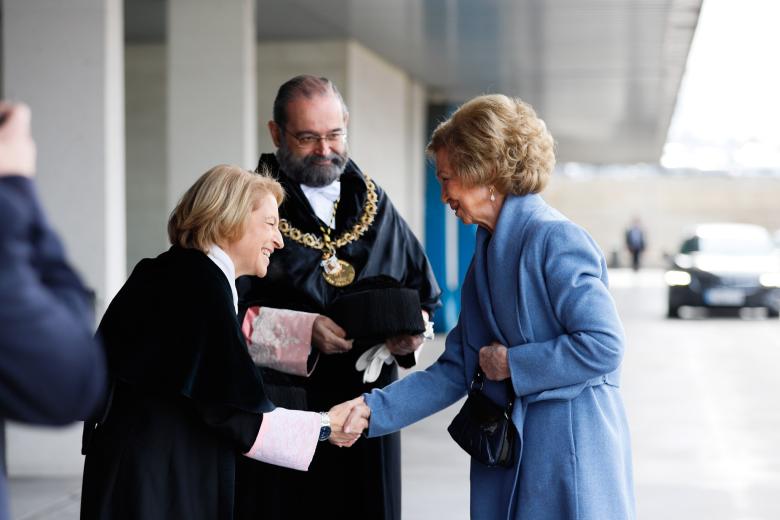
324 433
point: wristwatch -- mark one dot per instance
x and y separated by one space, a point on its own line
324 426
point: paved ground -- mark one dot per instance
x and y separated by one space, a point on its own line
701 395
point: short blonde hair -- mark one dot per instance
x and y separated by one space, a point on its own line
215 209
499 141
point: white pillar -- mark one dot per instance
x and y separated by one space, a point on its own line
65 59
385 107
212 114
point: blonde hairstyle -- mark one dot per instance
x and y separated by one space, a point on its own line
498 141
216 208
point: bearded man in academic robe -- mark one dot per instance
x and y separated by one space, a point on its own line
340 230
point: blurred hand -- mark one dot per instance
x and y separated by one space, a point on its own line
328 337
17 148
347 422
494 361
402 345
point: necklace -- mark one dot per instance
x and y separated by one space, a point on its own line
336 272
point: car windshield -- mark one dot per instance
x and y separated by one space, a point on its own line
728 245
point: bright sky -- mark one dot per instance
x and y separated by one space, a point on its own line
728 111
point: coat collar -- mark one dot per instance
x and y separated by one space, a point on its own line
218 255
497 265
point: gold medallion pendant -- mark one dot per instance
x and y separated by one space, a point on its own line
338 273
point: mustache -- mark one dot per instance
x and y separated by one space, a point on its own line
312 169
334 158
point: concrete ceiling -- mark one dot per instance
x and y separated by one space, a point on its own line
604 74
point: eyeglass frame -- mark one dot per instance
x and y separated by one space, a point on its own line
338 136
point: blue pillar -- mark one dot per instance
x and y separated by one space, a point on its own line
448 242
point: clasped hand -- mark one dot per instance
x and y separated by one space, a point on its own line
494 361
405 344
347 422
328 337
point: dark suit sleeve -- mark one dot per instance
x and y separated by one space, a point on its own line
239 427
51 369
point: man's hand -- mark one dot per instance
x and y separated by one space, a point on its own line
494 361
403 345
328 337
17 148
347 422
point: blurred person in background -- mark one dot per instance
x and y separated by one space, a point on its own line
51 369
536 317
635 243
186 399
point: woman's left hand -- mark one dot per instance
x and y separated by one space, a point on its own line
494 361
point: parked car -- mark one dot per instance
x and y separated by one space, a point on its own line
728 266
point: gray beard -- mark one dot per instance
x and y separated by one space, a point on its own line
304 171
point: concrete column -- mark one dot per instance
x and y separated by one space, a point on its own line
378 126
212 113
65 60
416 140
147 147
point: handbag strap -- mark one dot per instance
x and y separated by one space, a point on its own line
479 382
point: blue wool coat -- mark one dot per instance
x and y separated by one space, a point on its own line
539 286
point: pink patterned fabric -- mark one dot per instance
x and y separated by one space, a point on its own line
287 438
279 339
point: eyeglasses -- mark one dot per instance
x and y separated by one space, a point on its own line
308 140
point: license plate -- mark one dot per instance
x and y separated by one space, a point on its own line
723 296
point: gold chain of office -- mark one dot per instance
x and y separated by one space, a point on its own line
347 237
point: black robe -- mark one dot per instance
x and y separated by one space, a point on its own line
186 400
366 478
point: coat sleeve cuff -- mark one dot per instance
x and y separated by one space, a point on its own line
287 438
280 339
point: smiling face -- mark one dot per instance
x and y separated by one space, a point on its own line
471 205
312 148
252 251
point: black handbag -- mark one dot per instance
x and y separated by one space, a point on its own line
484 429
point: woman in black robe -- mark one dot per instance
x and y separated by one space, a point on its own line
186 399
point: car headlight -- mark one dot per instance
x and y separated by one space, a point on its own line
770 279
677 278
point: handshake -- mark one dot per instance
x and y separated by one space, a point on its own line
347 422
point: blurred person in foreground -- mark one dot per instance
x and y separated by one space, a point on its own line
535 313
186 399
342 235
51 369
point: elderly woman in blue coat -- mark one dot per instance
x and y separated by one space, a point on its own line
536 311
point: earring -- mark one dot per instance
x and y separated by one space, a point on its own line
492 194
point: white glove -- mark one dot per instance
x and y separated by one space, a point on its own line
428 334
371 362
